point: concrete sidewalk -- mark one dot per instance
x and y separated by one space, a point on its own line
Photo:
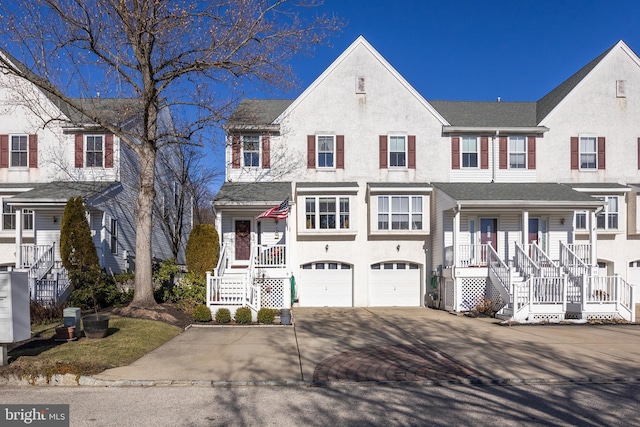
338 344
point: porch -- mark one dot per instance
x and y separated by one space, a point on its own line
531 287
265 282
48 280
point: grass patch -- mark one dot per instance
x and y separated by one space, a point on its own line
128 339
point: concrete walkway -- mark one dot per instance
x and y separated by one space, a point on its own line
390 344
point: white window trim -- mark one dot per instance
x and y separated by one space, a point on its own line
11 151
424 213
406 150
525 152
335 150
242 151
302 215
606 214
86 150
595 152
113 236
462 153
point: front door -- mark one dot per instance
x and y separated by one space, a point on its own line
489 232
243 239
534 228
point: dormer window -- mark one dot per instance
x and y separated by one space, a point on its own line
94 152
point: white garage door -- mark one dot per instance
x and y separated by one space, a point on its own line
394 284
325 284
634 273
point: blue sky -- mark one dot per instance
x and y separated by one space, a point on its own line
518 50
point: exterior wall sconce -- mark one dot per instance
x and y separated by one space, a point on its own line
398 248
55 219
561 221
326 247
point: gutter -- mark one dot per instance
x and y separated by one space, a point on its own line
496 129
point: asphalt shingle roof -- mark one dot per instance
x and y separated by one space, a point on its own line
257 112
487 114
267 192
544 192
61 191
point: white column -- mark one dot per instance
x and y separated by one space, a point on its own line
525 229
593 242
457 294
18 214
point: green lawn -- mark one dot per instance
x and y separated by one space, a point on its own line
127 340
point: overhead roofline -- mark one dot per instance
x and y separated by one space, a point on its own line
488 129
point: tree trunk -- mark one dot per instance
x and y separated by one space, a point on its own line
143 293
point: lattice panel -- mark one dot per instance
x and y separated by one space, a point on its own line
449 294
475 290
272 293
548 318
603 316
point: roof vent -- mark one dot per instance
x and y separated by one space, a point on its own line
498 99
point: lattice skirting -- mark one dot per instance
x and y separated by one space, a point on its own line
480 290
272 293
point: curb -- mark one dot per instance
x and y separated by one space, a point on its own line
70 380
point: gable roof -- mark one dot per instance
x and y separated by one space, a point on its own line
59 192
548 102
489 114
362 42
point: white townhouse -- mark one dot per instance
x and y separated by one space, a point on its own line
49 153
400 201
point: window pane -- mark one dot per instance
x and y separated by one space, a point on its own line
327 208
325 151
383 204
397 151
344 212
310 209
416 204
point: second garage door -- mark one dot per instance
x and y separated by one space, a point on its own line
325 284
394 284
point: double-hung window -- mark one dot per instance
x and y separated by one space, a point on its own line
588 152
327 213
399 212
114 236
469 152
19 150
94 151
8 217
608 218
326 151
398 151
517 152
251 151
581 220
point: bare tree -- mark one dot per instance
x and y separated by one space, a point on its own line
182 54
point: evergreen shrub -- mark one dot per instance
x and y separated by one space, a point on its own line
223 315
243 315
201 313
202 252
266 315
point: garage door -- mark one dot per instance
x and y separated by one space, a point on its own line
394 284
325 284
634 273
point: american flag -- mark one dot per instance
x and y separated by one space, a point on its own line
278 212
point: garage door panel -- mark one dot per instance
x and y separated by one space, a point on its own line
326 287
398 287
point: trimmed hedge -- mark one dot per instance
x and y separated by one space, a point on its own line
223 315
266 315
201 313
243 315
202 252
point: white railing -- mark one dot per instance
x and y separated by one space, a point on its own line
271 256
29 254
548 267
521 297
222 260
601 289
548 290
499 268
572 262
51 291
38 259
524 264
472 255
582 251
608 294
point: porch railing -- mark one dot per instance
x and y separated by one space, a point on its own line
499 268
608 293
271 256
573 264
548 267
582 251
222 260
472 255
525 264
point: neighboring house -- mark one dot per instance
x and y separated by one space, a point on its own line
49 153
396 200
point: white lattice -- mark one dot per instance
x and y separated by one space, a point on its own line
449 294
602 316
272 293
475 290
552 318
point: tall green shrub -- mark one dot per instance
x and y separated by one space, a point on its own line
203 247
78 253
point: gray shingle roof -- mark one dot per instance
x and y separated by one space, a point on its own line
547 103
529 192
266 192
487 114
605 185
257 112
325 184
61 191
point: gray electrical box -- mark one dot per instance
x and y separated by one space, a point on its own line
15 319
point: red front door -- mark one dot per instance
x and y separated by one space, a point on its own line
243 240
488 232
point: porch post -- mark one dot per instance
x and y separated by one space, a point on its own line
456 234
593 240
18 213
525 229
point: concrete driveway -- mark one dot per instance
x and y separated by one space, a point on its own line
359 344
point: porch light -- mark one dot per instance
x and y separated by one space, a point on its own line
398 248
55 219
561 221
326 248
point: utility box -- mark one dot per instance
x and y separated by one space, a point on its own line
15 319
71 317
